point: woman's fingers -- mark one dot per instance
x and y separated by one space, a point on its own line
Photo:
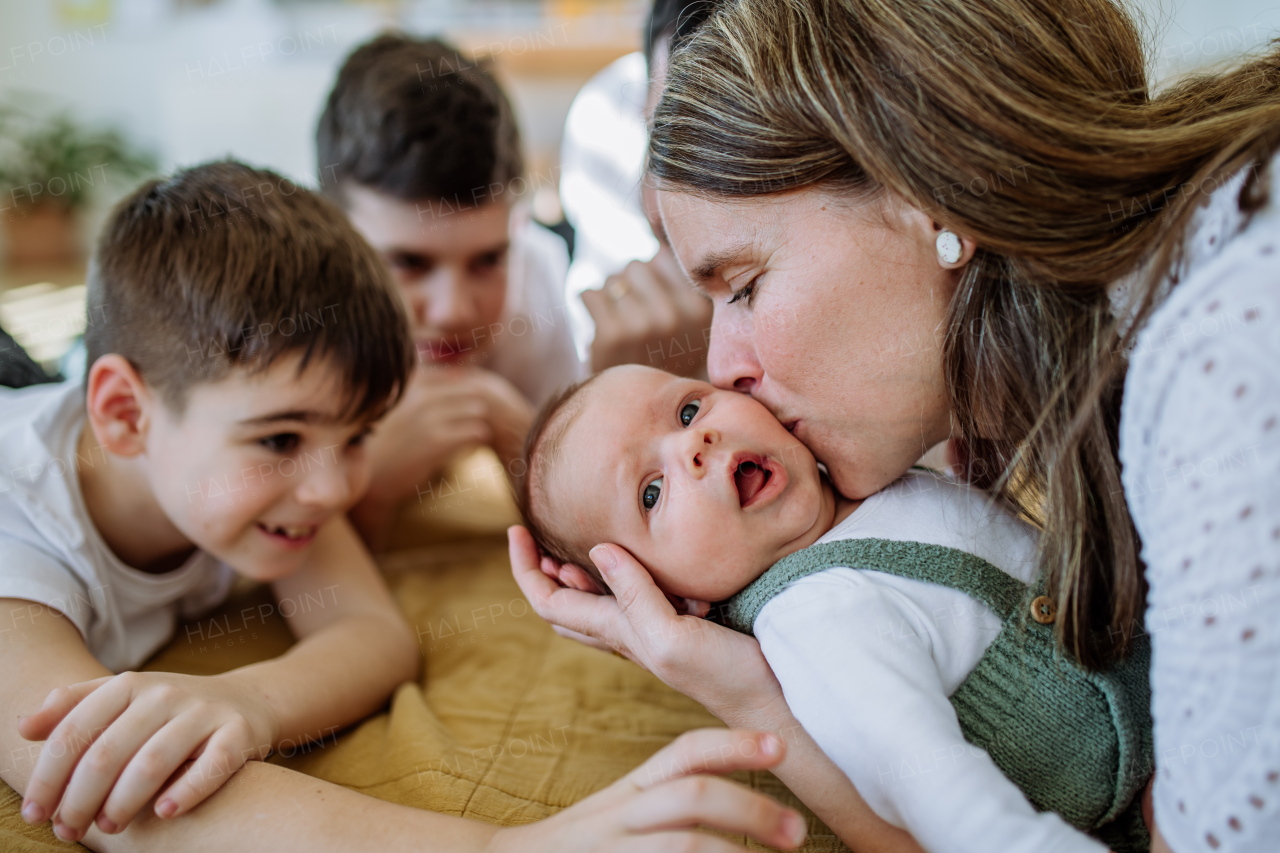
575 577
709 751
581 638
639 598
715 804
57 704
583 612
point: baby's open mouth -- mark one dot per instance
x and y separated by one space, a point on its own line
750 477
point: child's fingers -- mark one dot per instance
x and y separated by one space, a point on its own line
155 763
57 705
223 755
69 741
96 773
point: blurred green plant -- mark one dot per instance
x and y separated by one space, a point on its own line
54 159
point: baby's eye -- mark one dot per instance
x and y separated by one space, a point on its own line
652 492
688 410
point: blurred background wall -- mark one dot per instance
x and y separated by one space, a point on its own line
183 81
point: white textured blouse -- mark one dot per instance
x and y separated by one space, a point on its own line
1200 446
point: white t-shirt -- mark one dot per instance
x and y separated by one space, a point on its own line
601 163
51 553
867 660
533 347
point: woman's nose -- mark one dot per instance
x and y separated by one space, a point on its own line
731 356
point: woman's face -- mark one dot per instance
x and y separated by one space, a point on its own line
831 314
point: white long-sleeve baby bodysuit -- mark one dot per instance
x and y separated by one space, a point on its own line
867 660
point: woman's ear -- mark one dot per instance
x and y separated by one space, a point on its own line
953 250
118 405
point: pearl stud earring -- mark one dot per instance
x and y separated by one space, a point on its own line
949 249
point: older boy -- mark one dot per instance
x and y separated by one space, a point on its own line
420 147
248 341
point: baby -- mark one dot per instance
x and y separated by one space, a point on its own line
896 625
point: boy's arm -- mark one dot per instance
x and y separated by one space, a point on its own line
268 808
114 741
354 646
42 652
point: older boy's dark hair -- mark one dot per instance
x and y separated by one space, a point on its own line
542 445
414 119
674 19
223 266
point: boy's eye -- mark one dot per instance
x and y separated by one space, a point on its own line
410 265
284 442
652 492
487 261
688 411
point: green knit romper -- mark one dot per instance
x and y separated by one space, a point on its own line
1076 742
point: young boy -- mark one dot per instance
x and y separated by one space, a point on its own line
420 147
895 625
244 340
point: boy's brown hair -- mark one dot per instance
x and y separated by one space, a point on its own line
542 445
223 266
416 120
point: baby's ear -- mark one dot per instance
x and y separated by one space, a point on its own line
575 577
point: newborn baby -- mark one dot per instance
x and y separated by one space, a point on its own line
899 627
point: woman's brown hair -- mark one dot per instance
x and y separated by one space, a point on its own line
1028 126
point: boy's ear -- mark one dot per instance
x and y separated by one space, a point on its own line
119 405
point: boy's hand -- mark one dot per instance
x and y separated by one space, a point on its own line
113 743
650 314
444 411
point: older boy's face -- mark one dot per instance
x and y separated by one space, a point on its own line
257 463
451 266
702 485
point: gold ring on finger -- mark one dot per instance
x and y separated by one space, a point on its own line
618 289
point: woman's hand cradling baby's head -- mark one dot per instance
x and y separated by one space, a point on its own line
719 667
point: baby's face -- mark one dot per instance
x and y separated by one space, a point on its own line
704 486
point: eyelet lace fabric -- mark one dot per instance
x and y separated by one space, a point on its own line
1200 446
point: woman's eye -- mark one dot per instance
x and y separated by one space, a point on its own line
359 438
284 442
652 492
745 292
688 411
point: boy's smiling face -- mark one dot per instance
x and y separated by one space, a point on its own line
704 486
255 464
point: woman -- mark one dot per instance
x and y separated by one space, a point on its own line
972 221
